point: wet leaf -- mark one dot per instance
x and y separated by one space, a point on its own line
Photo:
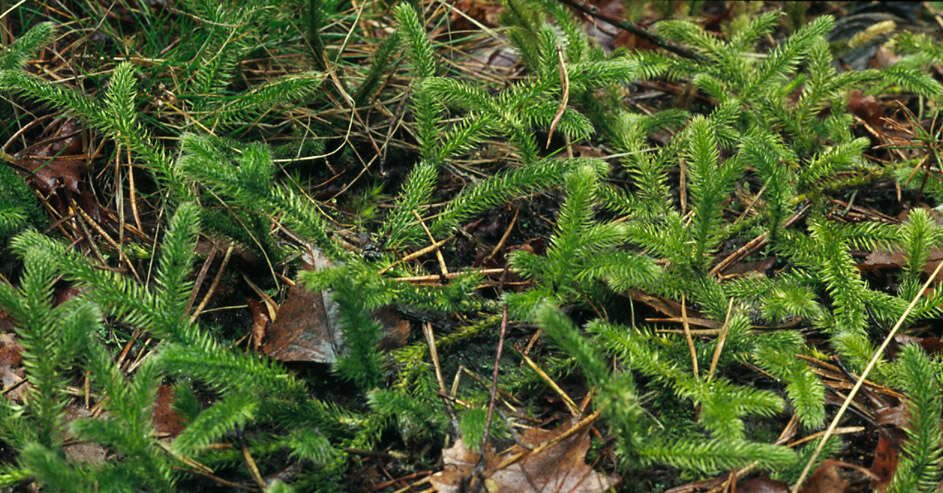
559 468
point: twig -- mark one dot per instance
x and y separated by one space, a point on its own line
565 95
570 404
860 382
720 341
588 420
504 237
216 278
635 29
438 253
754 244
450 275
434 354
253 468
494 381
687 335
416 254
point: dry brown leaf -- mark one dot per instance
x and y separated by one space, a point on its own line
260 321
826 479
886 457
867 108
883 259
166 421
559 468
12 372
307 325
56 161
762 485
486 12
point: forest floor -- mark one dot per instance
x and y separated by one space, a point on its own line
346 148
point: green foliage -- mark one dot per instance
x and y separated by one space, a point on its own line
919 468
18 207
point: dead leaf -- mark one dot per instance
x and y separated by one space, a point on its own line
12 372
886 457
896 416
260 321
826 479
486 12
880 258
166 420
559 468
308 327
867 108
762 485
56 161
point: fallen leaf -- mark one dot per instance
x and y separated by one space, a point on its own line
56 161
880 258
896 416
886 457
762 485
826 479
558 468
166 421
260 321
867 108
12 372
486 12
308 326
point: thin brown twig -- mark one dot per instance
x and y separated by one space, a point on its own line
253 467
565 95
720 341
216 279
583 424
438 253
504 237
416 254
687 335
570 403
494 381
434 355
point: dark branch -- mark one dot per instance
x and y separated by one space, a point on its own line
634 29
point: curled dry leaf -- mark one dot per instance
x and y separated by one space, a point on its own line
559 468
